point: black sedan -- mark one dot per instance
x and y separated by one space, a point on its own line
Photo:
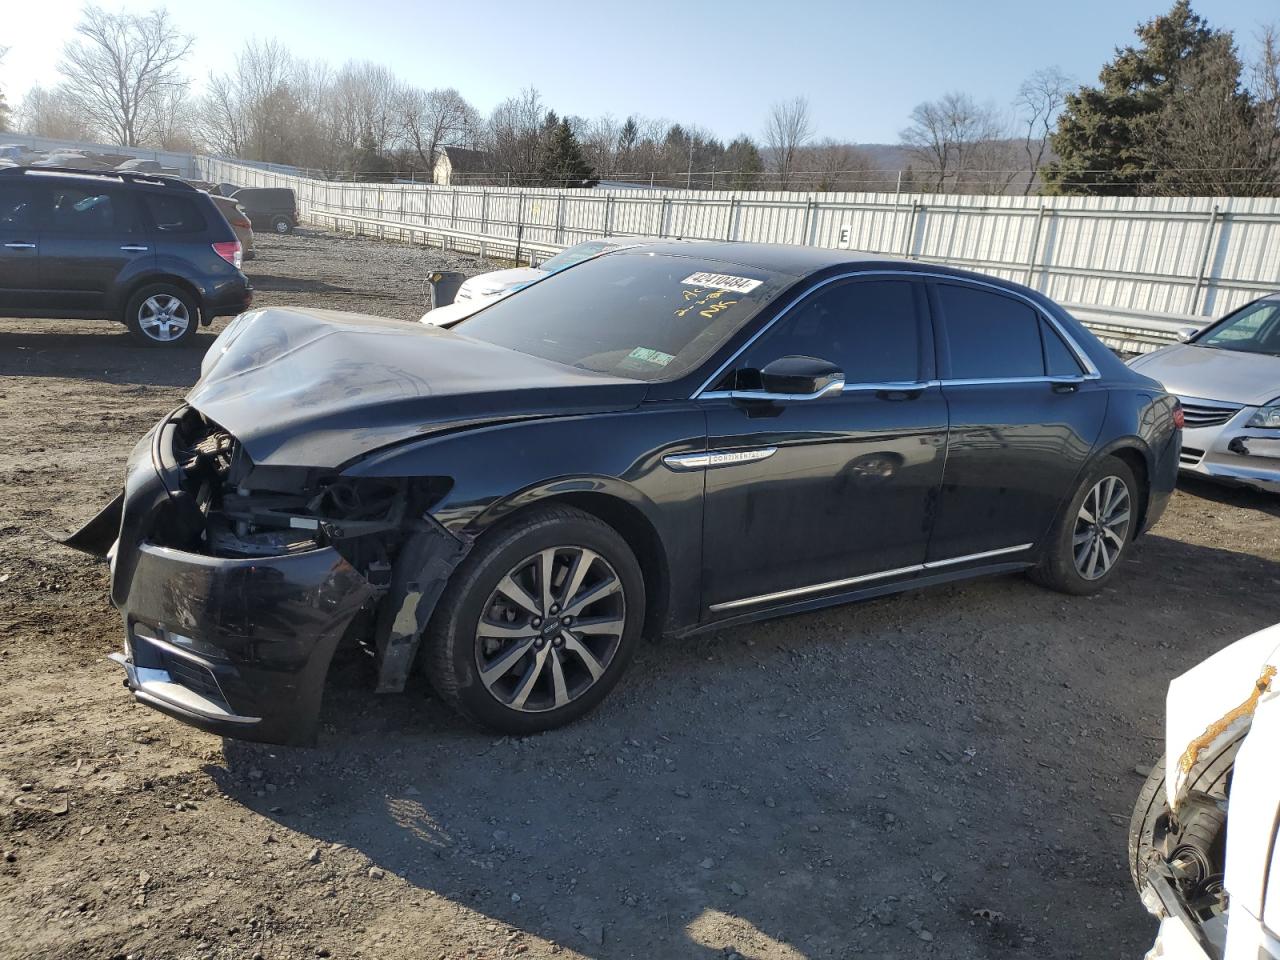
663 440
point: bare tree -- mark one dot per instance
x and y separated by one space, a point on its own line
46 113
787 129
1040 99
4 104
960 144
829 165
514 134
1265 84
431 119
120 67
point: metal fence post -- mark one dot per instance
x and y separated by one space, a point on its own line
732 227
1032 257
560 218
484 211
911 229
1194 306
804 226
453 208
608 214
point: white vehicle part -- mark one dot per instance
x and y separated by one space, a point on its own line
1211 705
453 312
1253 873
1175 941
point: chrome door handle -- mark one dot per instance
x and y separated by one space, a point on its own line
135 248
20 246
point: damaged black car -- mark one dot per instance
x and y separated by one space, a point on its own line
662 440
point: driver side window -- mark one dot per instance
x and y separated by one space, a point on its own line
870 329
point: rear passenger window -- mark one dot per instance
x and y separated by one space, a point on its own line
1059 361
990 336
89 210
869 329
173 214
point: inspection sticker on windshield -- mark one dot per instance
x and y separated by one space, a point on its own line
723 281
656 357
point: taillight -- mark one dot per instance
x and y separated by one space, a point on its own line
230 251
1179 418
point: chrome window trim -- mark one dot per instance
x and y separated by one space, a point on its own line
1091 371
864 578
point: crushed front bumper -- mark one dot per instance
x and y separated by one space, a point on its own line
238 647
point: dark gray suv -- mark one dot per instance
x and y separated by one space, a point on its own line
151 252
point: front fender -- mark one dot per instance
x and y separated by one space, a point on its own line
1210 707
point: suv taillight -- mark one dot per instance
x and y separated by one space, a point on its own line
230 252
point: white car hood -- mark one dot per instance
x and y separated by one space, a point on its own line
502 280
1211 374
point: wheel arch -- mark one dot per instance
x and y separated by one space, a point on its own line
151 279
613 502
1134 453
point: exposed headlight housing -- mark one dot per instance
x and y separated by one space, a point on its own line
1266 417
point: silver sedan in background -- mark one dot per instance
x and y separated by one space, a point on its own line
1228 379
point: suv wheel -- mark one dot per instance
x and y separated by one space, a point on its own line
1089 539
162 315
538 623
282 225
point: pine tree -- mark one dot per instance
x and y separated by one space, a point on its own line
743 161
1100 140
563 164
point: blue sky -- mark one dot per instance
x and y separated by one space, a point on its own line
862 65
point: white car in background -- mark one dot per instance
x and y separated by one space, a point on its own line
1202 842
1227 377
479 291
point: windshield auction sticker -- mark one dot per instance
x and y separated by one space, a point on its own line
722 281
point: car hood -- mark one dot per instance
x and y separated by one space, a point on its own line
319 388
503 279
1212 374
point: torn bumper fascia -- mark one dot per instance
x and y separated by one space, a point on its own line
238 647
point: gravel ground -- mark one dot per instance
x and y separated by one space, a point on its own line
945 773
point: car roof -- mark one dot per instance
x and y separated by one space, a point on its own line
797 261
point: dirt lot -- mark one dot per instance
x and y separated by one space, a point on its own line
860 781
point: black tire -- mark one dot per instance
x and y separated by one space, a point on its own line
281 225
1152 806
139 316
1057 568
452 650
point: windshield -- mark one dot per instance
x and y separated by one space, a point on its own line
636 315
576 254
1255 329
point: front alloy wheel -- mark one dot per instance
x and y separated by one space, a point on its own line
550 629
537 624
1102 526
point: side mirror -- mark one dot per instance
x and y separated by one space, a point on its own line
1186 333
793 378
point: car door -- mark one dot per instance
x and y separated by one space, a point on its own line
1025 407
814 496
20 287
92 234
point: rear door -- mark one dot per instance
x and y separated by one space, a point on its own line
1025 411
20 285
92 234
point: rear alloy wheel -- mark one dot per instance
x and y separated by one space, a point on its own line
282 225
162 315
1089 539
537 624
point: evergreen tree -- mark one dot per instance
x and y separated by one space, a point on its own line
743 162
563 164
1101 137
